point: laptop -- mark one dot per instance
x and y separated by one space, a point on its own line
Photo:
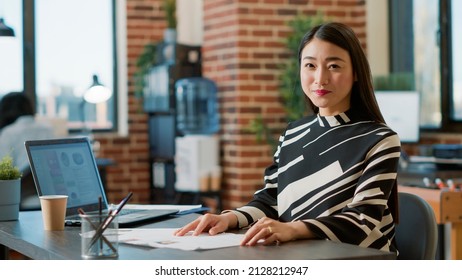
68 166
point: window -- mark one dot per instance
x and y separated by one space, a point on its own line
74 40
424 41
66 43
456 65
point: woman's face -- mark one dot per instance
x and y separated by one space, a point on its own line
326 75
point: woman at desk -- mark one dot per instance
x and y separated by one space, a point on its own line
334 173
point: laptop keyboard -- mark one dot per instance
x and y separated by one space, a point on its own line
130 211
121 213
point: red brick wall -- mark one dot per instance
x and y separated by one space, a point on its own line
243 44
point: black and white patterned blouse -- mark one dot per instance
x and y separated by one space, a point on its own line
335 174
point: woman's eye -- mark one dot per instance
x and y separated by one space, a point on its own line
309 65
334 66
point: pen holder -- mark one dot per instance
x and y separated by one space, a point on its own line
99 246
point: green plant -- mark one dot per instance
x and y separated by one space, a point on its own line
144 62
292 95
170 13
7 170
395 81
148 57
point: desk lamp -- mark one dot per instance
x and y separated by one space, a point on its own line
96 93
5 30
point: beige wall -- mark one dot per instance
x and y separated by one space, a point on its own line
377 36
190 27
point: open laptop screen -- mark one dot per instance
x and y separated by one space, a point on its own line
66 166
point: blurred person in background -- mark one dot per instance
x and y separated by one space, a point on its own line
18 124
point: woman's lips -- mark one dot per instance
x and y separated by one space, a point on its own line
322 92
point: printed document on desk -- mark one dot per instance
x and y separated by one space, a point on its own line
164 238
182 209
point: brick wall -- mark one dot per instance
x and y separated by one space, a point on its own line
243 46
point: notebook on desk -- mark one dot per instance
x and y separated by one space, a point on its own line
68 166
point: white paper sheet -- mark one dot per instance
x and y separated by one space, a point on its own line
164 238
162 206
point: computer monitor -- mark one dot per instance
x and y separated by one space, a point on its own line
401 110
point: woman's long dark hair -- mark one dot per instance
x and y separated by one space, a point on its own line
362 94
12 106
362 97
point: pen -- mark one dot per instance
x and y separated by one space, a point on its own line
94 227
100 204
104 225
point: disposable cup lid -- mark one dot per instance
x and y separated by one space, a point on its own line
52 196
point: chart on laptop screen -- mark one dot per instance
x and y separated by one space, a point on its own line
67 169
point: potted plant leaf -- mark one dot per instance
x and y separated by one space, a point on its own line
170 14
145 61
10 189
155 53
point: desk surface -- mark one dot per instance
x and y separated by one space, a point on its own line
28 237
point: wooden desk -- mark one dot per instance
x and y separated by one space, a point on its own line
447 207
28 237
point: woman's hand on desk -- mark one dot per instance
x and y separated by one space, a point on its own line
211 223
264 231
268 231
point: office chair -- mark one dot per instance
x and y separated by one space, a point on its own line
417 233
